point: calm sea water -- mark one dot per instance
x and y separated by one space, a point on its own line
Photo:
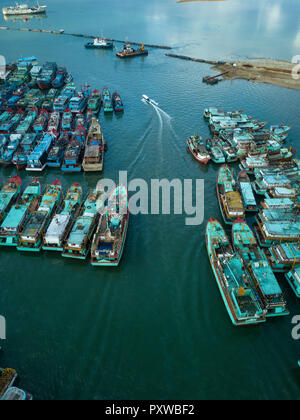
156 326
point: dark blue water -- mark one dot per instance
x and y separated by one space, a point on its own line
156 326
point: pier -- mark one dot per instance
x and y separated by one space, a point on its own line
213 80
62 32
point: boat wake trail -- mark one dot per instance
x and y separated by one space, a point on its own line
140 147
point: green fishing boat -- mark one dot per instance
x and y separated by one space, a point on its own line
257 265
31 236
19 213
109 239
293 277
229 198
9 193
61 222
78 242
235 284
107 101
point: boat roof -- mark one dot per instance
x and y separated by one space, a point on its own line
265 276
292 250
58 225
283 228
279 202
80 230
14 217
247 193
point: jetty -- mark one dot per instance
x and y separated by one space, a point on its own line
213 80
62 32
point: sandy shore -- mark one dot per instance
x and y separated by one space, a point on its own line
278 73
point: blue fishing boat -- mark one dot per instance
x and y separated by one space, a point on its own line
47 75
4 139
8 126
57 151
61 103
78 103
37 160
67 122
60 76
59 227
95 102
110 237
75 151
257 265
78 241
31 235
235 284
10 149
24 149
117 102
19 213
41 122
27 122
215 151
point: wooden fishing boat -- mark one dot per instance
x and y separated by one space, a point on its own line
109 239
94 148
198 149
229 198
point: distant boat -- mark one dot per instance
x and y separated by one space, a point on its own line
23 9
129 52
146 98
99 43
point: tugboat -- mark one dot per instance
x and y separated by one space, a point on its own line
198 150
59 80
79 240
129 52
117 102
235 285
37 160
60 226
230 200
245 188
95 102
31 235
257 265
9 193
19 213
57 151
41 122
24 149
74 153
110 237
94 148
99 43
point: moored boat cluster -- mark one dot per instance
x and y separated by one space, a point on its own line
266 187
46 122
74 225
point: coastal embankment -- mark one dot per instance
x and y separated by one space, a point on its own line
62 32
275 72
